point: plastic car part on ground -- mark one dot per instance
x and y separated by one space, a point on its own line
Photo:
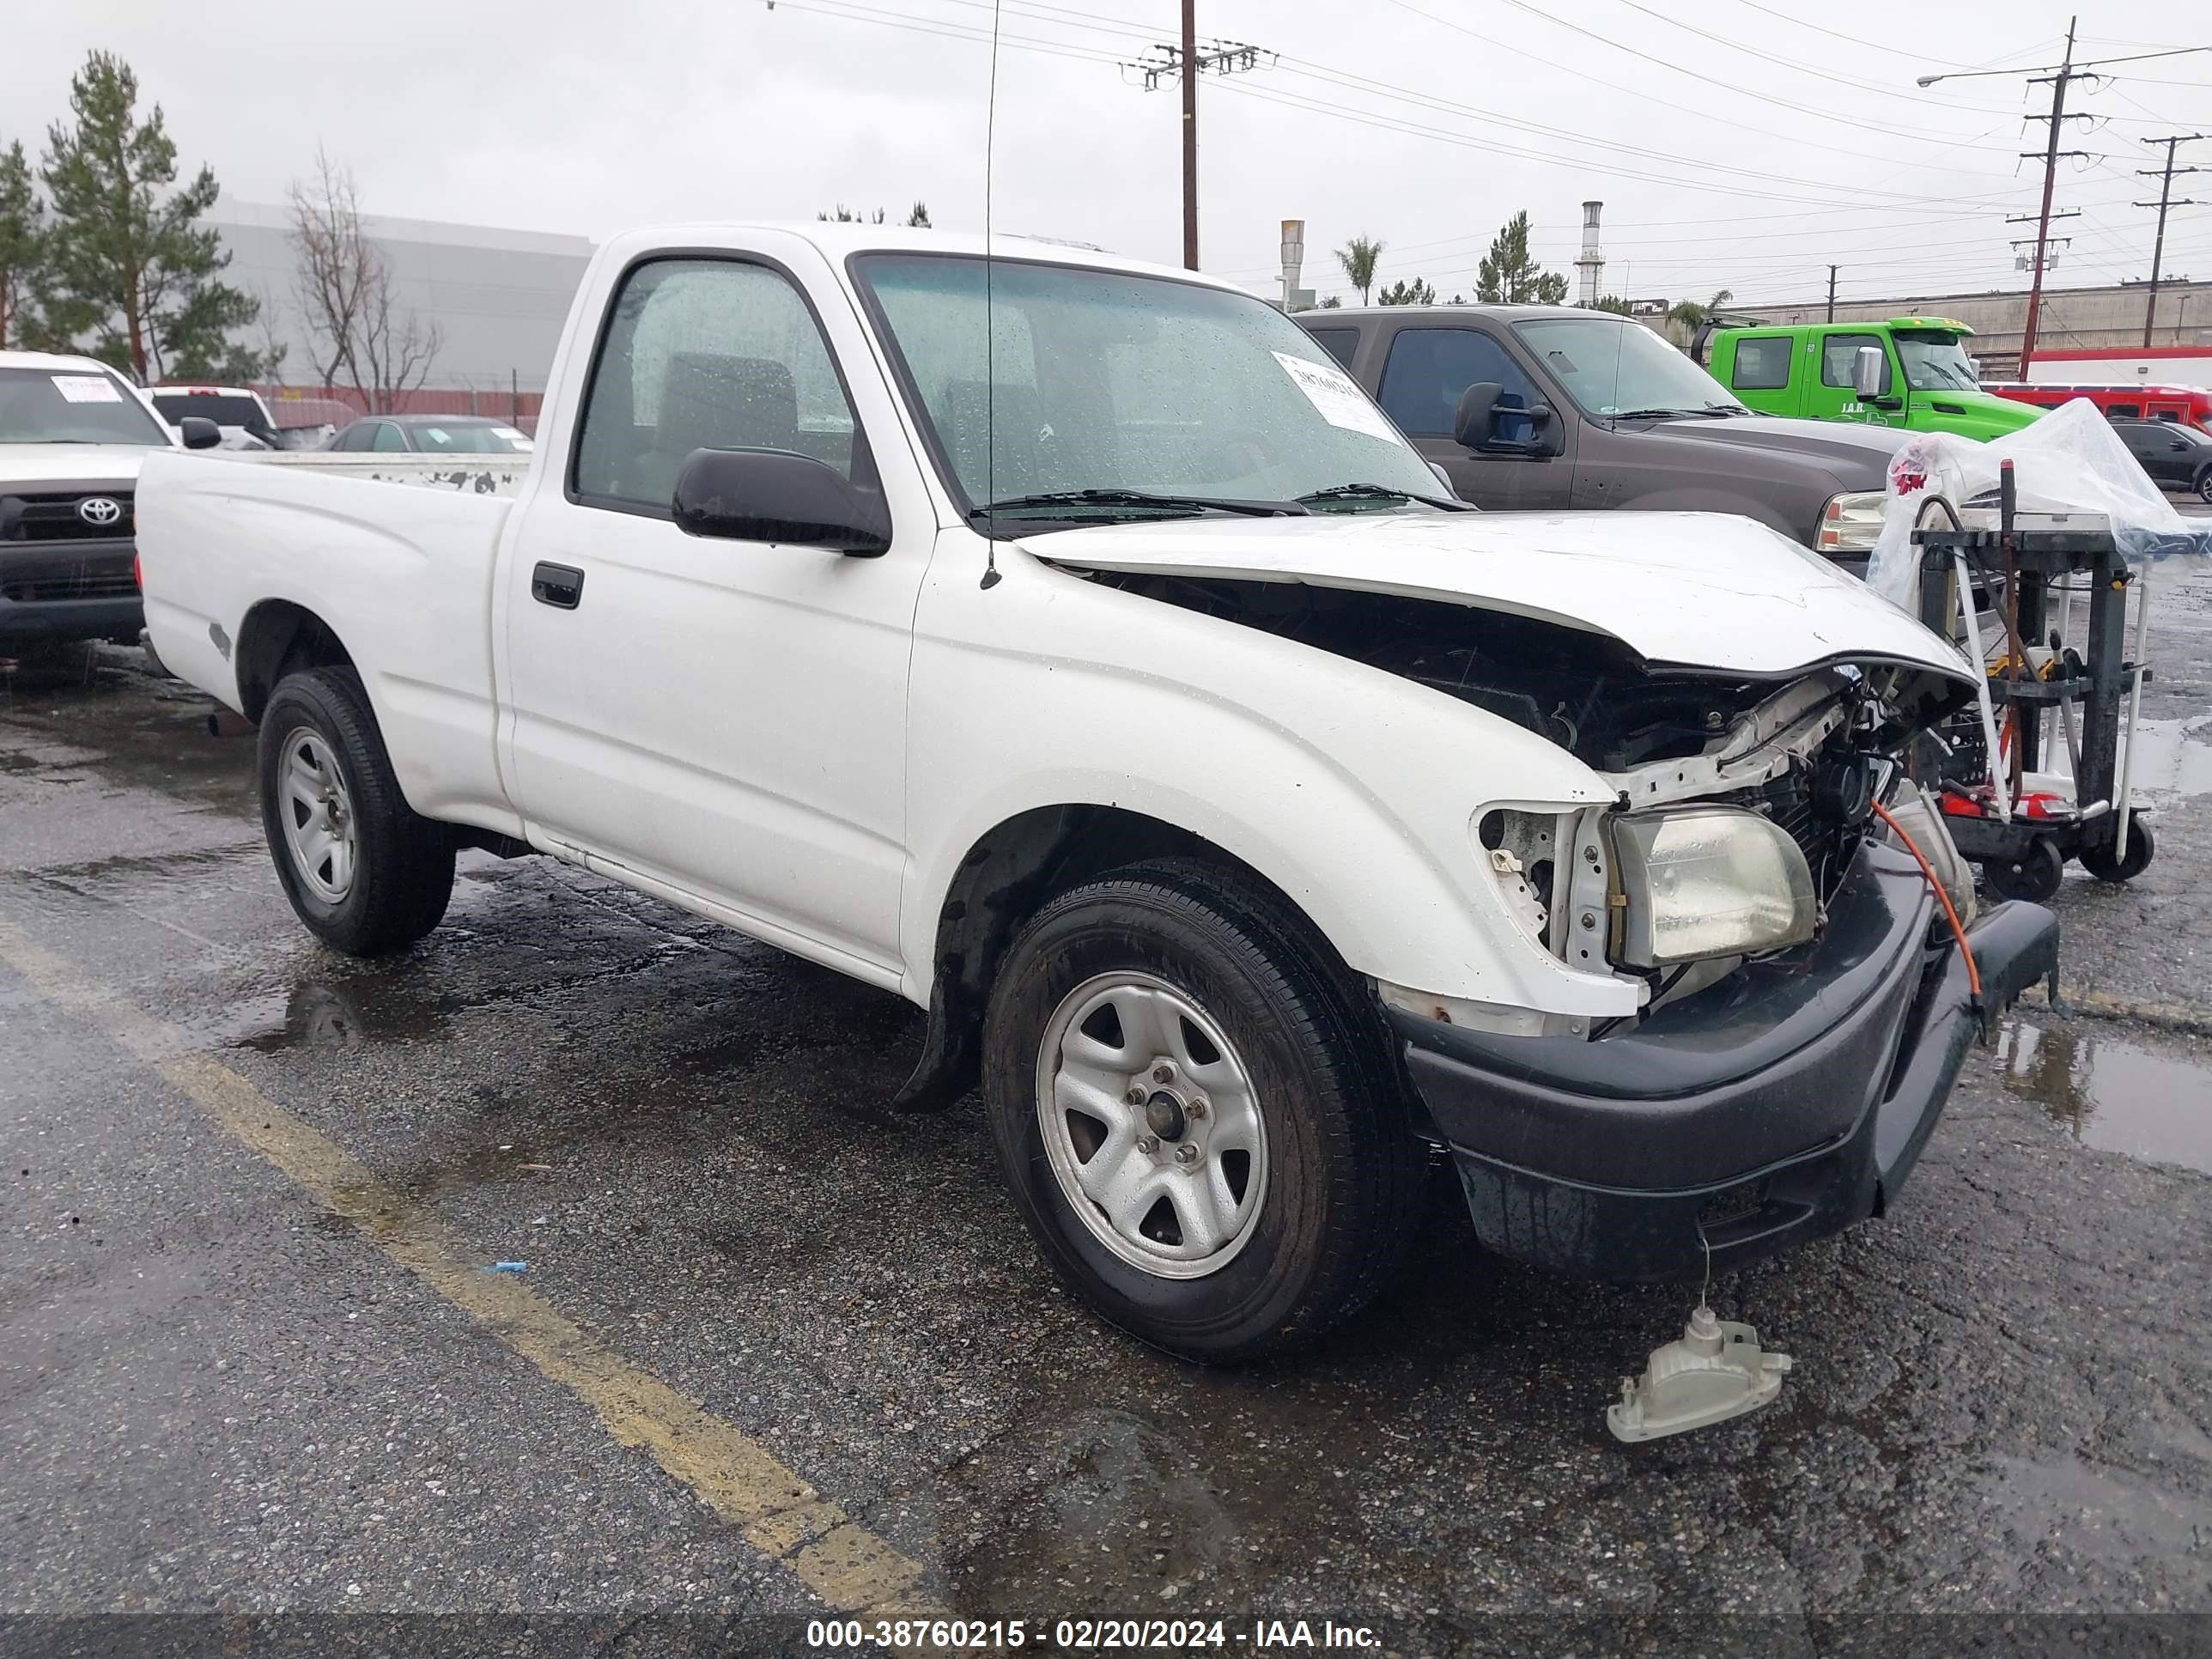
1714 1370
2069 461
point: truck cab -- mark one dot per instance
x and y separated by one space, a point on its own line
1927 383
1585 409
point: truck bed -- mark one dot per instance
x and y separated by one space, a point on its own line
404 575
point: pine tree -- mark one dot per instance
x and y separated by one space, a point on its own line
1418 292
1510 276
129 263
22 247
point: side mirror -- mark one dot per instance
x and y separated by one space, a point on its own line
199 433
773 495
1475 422
1476 417
1866 370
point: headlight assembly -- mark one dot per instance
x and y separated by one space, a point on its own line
1708 881
1850 523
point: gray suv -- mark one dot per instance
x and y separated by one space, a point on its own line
1549 407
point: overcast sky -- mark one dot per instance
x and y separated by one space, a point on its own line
1748 157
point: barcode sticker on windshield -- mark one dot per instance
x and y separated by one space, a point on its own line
1340 401
88 389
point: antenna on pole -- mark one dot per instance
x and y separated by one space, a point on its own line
991 576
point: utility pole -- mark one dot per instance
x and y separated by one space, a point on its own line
2065 74
1186 62
1832 293
2165 176
1190 134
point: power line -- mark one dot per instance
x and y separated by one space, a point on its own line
1802 68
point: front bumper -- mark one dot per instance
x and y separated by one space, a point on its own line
1786 1102
77 590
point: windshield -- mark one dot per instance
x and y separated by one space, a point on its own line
235 409
46 406
461 439
1615 367
1937 362
1110 381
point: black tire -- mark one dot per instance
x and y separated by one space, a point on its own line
1343 1187
2107 863
2204 484
402 871
2035 876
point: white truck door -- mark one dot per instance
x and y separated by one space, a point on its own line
725 717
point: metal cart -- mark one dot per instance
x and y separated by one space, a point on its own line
2019 823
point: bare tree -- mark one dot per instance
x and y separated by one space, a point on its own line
357 337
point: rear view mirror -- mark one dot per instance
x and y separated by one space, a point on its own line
1867 372
773 495
199 432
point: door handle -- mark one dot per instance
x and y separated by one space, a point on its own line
561 586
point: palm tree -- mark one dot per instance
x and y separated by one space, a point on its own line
1359 257
1692 316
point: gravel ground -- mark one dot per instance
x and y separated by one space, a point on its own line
218 1396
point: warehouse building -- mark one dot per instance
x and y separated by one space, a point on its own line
499 297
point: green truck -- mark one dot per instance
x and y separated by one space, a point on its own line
1916 375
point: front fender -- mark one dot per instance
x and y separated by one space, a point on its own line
1353 791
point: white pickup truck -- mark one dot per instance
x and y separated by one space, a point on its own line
1067 646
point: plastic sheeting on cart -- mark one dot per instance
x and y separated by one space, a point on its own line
2069 461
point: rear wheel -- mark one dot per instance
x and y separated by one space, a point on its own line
1191 1116
364 871
2204 484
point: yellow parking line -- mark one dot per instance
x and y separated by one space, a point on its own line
849 1567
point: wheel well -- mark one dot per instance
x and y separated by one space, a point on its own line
279 638
1009 874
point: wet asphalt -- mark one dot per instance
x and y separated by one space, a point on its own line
217 1396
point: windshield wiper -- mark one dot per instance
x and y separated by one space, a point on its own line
1140 498
1711 411
1370 492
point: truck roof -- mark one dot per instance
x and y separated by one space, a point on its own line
1503 312
54 361
837 241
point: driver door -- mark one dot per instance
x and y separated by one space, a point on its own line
1428 366
724 718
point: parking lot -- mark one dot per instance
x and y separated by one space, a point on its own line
774 1351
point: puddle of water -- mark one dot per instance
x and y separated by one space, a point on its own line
2111 1094
2172 757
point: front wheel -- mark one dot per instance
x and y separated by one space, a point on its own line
364 871
1191 1116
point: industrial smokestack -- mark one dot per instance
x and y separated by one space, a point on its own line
1590 262
1294 258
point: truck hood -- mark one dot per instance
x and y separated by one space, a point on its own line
76 463
1834 442
1707 592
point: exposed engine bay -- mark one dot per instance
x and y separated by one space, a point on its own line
1809 752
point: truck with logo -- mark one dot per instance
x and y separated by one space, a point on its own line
73 435
1922 379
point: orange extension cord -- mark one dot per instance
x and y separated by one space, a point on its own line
1951 914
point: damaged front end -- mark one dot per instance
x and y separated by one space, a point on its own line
1804 1007
1739 802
